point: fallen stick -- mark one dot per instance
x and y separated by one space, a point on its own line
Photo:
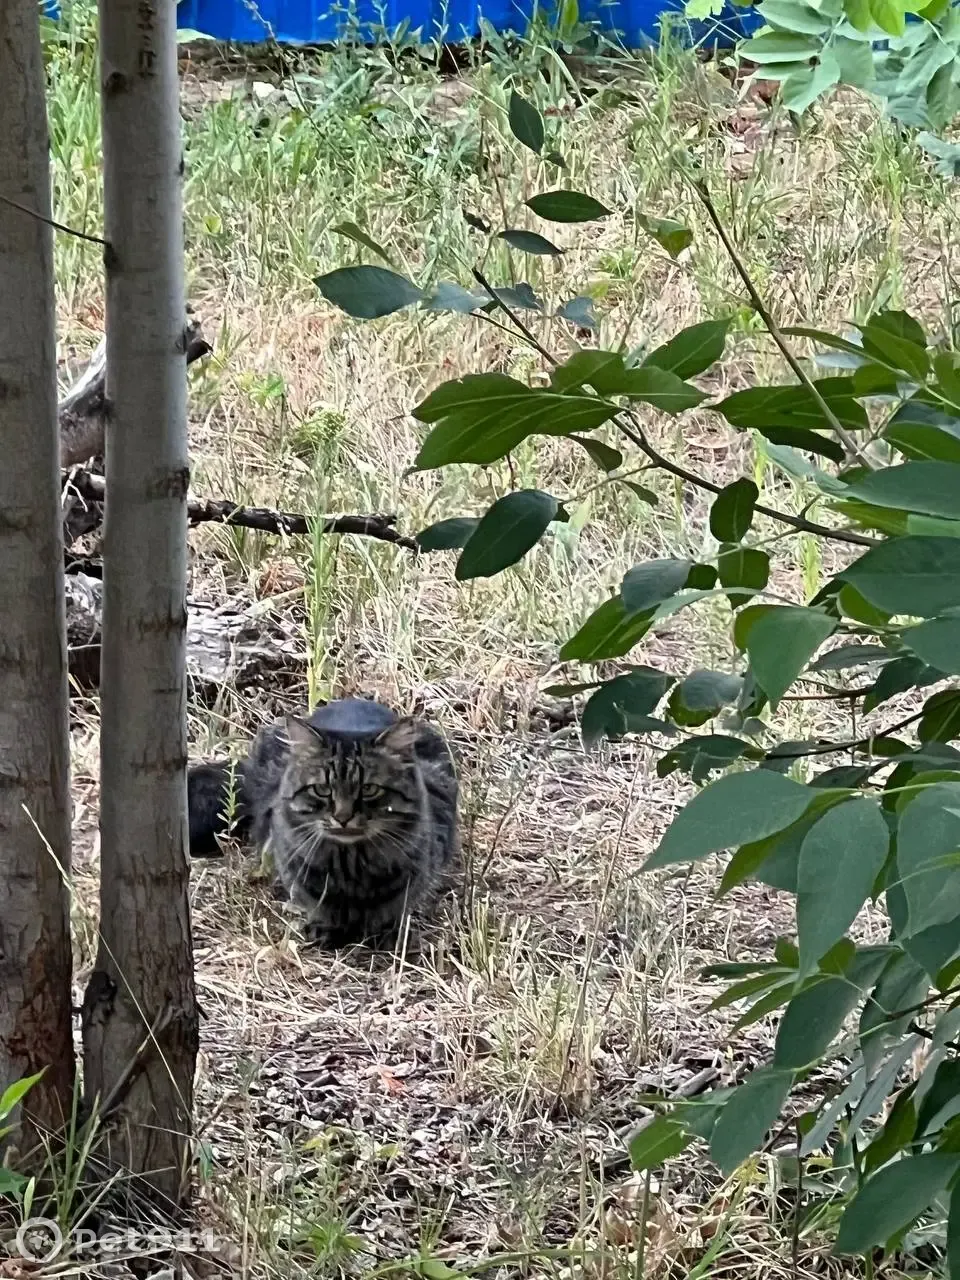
285 523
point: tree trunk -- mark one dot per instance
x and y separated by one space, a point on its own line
35 960
140 1015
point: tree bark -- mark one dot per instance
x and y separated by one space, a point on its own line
35 959
140 1016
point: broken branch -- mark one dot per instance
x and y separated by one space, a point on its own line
284 523
82 412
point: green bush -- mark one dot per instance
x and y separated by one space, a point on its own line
872 818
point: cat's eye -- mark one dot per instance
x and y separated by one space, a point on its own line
318 791
370 791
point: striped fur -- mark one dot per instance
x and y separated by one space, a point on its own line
359 811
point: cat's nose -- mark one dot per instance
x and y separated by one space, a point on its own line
342 813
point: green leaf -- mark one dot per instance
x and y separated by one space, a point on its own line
448 296
663 390
803 87
796 465
16 1092
845 656
704 690
606 372
930 830
359 236
483 416
919 576
732 511
617 705
840 858
856 60
435 1269
937 643
778 976
780 46
703 577
852 605
648 584
896 1134
701 755
746 1118
924 431
367 293
526 123
812 1021
518 297
660 1140
693 349
731 811
445 535
607 633
781 643
568 690
529 242
943 96
12 1183
579 311
941 1101
930 488
932 526
889 16
669 235
506 532
794 406
953 1233
832 340
898 340
892 1199
946 154
901 985
858 14
870 516
767 1004
746 621
567 206
800 438
896 677
642 492
606 457
940 721
872 380
775 860
746 567
794 15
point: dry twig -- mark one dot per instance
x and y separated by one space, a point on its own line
286 523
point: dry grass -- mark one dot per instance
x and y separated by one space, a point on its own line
470 1103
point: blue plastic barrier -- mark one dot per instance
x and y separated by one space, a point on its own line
326 21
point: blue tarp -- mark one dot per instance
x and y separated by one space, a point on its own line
326 21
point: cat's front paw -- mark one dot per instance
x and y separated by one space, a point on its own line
324 936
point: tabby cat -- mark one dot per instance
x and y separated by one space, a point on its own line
357 806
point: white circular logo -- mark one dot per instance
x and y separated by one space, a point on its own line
39 1240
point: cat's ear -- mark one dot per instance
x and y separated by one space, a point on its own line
298 733
400 737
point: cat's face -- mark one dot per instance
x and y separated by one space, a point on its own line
348 791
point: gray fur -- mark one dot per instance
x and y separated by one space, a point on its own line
359 811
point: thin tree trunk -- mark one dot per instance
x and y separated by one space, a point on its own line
140 1015
35 961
